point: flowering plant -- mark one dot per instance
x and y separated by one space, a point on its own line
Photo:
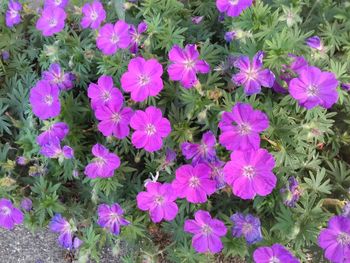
191 131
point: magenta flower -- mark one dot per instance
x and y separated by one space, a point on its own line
57 130
13 16
51 21
207 232
104 163
112 37
185 65
44 100
143 78
103 92
248 226
111 217
249 173
136 36
335 239
159 200
66 237
114 119
314 87
194 183
56 76
252 75
200 153
233 7
150 128
240 128
94 15
55 3
315 42
9 215
275 253
217 173
53 149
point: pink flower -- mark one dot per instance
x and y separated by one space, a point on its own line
112 37
51 21
159 200
249 173
143 78
207 232
233 7
94 15
194 183
186 64
150 128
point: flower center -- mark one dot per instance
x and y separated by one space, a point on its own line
144 80
100 161
234 2
5 211
194 182
114 217
93 15
251 74
58 78
249 171
48 100
150 129
52 22
247 228
189 64
66 228
344 239
106 96
116 117
13 13
206 230
312 90
58 2
274 260
114 39
159 200
244 129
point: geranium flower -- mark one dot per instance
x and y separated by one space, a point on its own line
335 239
103 92
44 100
185 65
291 192
111 217
103 165
53 149
252 75
114 119
13 17
26 204
275 253
233 7
314 87
143 78
56 3
150 128
207 232
9 215
194 183
200 153
217 173
112 37
56 76
249 173
136 35
240 128
315 42
51 21
66 231
159 200
57 130
94 15
248 226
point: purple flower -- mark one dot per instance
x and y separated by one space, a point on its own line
197 19
170 156
53 149
56 76
111 217
207 232
291 192
335 239
278 88
9 215
58 129
51 21
252 75
60 225
143 78
346 210
229 36
185 65
26 204
298 65
56 3
13 16
233 7
21 160
114 119
103 165
249 173
240 128
150 128
315 42
136 35
159 200
103 92
194 183
44 100
94 15
275 253
202 152
314 87
112 37
345 86
217 173
5 55
247 226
